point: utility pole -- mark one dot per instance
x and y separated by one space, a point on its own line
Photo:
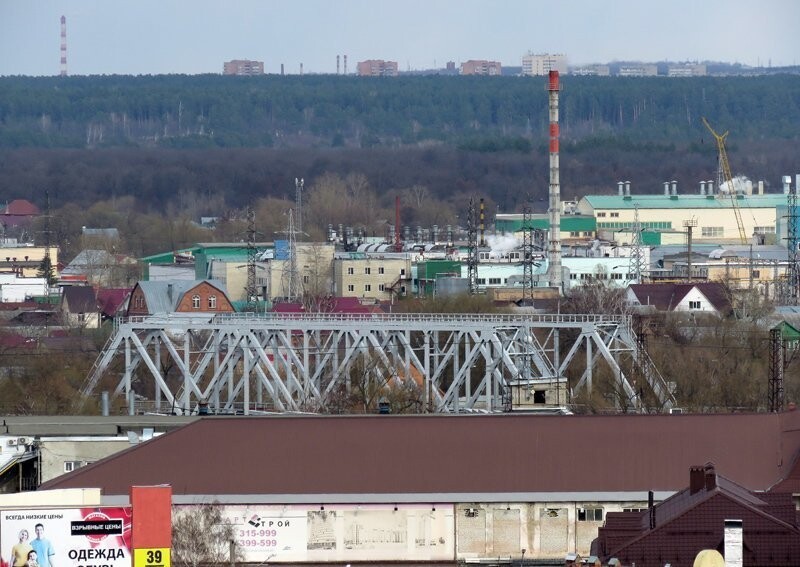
472 249
298 204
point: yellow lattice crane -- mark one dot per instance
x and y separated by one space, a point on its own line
725 171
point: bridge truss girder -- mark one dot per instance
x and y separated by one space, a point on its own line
247 362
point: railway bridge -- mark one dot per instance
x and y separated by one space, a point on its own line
248 363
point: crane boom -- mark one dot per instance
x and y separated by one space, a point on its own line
725 168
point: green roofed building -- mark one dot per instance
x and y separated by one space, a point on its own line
713 216
572 226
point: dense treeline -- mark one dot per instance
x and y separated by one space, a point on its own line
476 112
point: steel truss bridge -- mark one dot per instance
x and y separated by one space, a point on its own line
244 362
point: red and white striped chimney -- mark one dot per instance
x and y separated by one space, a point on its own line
63 46
554 208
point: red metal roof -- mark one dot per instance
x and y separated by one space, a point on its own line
21 207
437 454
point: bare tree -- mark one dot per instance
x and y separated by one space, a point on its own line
201 535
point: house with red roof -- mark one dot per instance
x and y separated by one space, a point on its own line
18 213
701 297
676 530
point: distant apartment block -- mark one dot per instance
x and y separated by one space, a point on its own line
592 70
481 67
638 71
540 64
243 67
377 68
687 70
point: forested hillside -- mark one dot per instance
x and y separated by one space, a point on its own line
161 151
291 111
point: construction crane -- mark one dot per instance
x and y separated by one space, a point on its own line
725 175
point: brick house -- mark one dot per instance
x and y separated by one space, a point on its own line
696 518
178 296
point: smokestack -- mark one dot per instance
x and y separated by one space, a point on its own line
674 187
482 226
345 64
63 46
627 188
666 188
554 210
337 64
301 68
621 188
281 69
702 187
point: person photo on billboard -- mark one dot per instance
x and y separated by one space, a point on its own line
43 548
19 552
31 562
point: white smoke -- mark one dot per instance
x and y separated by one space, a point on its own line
502 243
741 185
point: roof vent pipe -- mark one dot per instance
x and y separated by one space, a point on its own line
761 187
710 184
621 188
674 187
628 188
702 187
666 188
787 182
797 183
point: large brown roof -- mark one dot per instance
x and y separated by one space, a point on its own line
441 455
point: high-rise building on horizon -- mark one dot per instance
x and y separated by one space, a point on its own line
377 68
243 67
540 64
481 67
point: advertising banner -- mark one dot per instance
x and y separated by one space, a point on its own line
68 537
342 533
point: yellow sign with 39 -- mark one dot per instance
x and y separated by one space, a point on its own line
152 557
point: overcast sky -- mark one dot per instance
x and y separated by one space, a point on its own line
196 36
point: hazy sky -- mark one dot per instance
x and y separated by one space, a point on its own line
196 36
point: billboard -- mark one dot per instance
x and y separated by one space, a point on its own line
342 533
67 537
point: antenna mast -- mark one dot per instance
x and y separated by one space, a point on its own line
638 262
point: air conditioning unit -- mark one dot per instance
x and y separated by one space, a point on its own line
675 410
12 443
23 441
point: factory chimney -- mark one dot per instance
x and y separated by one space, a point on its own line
554 210
345 64
337 64
63 46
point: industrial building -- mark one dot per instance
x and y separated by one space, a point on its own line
442 489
